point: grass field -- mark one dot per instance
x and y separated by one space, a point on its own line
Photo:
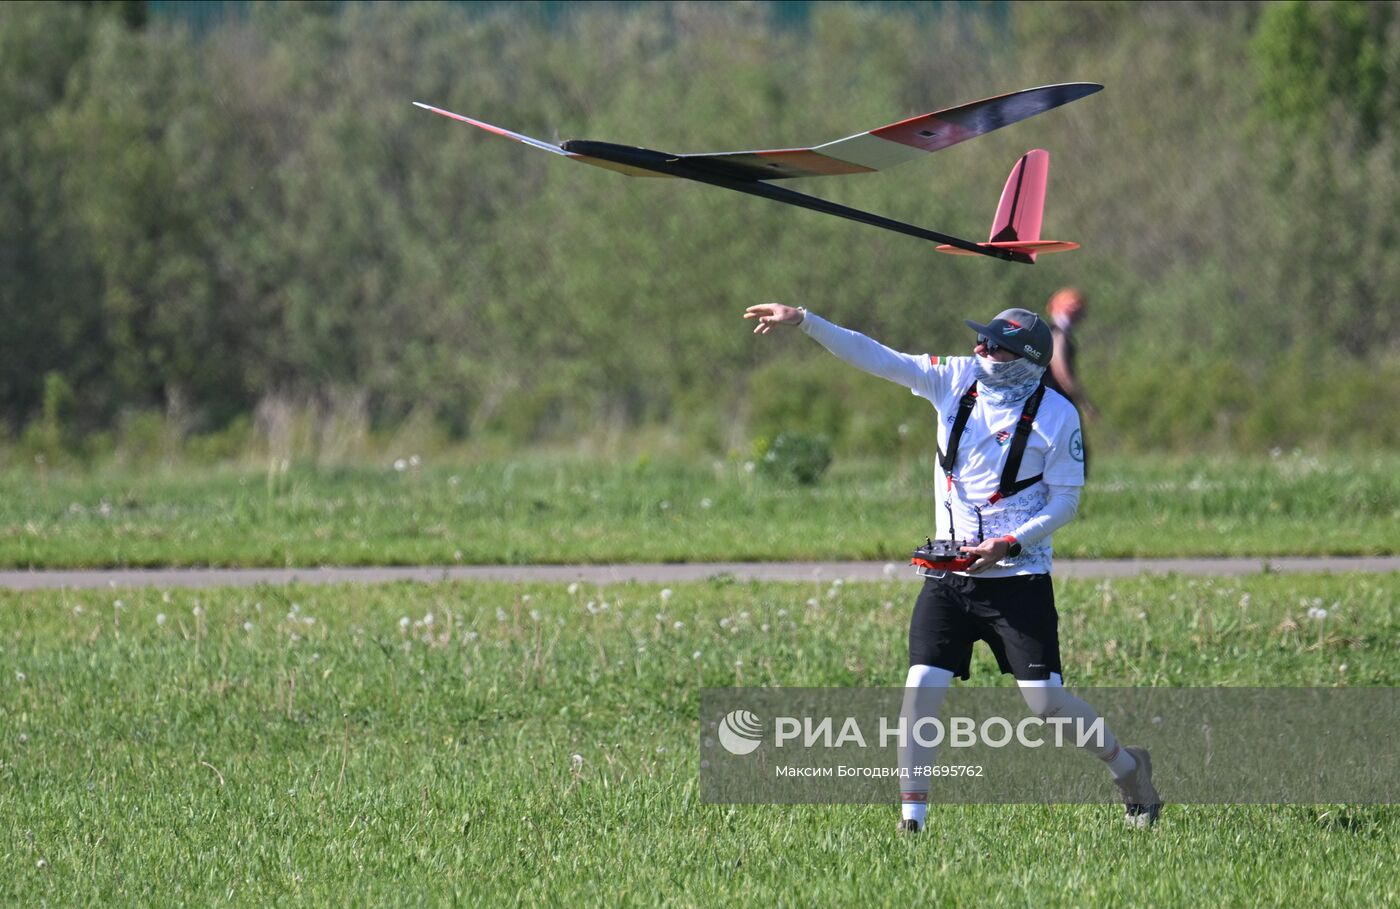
551 510
494 744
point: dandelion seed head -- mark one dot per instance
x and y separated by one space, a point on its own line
160 618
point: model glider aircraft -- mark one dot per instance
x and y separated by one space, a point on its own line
1015 233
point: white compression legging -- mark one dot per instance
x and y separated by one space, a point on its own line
925 688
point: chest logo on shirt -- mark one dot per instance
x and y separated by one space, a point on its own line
1003 436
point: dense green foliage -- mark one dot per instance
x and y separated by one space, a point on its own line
209 232
502 745
570 510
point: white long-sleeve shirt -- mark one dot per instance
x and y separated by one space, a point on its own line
1054 448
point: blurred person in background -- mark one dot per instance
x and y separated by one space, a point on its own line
1064 309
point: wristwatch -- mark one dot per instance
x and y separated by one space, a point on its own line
1013 550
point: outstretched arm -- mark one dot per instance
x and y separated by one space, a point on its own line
850 346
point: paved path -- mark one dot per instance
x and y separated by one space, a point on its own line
660 574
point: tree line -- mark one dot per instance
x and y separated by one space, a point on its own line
208 229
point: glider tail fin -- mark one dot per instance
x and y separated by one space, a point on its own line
1019 213
1023 199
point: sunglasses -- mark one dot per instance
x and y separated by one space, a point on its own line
991 346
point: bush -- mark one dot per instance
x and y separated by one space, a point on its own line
796 456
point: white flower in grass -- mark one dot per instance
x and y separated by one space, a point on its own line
403 623
813 603
500 614
534 615
78 610
666 594
21 677
118 604
577 760
744 615
160 618
725 622
400 465
41 864
696 655
414 461
706 503
572 588
764 627
165 597
454 480
198 612
24 738
1317 612
428 619
457 555
748 467
472 636
679 626
248 627
782 613
888 604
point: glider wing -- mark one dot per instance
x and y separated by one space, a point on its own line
896 143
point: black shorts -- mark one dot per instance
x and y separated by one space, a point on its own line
1015 616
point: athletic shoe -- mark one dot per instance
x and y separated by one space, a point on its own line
907 825
1140 798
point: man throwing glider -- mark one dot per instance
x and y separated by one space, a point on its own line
1006 492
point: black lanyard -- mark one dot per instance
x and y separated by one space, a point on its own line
1009 485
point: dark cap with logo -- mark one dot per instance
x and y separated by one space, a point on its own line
1020 331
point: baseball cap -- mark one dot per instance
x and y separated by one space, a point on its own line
1020 331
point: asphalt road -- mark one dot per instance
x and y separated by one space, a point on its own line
659 574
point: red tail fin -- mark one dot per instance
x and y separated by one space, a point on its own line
1023 199
1017 223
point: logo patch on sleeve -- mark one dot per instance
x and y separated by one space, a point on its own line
1076 447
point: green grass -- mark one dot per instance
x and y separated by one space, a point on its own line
568 510
330 752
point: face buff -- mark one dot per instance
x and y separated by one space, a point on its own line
1009 382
